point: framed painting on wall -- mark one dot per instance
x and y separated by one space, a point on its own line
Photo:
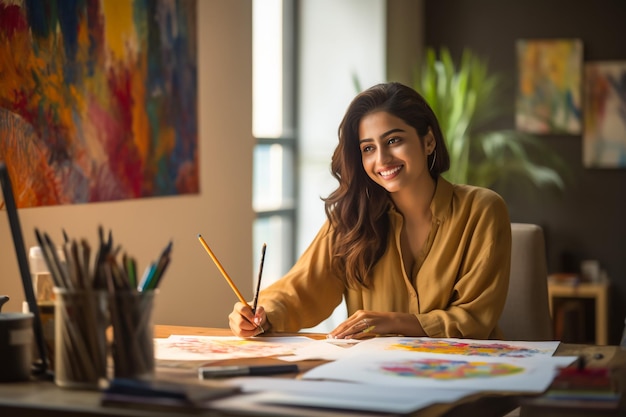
549 86
98 99
604 129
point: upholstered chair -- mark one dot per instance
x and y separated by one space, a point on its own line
526 314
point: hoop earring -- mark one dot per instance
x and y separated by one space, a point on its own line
432 164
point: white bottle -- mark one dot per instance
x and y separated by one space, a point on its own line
43 287
42 280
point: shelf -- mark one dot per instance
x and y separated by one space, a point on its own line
598 292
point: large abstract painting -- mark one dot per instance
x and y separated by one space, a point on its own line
549 86
98 99
604 131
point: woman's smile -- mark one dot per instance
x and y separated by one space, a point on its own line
390 173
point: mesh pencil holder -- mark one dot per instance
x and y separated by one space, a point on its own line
133 333
81 319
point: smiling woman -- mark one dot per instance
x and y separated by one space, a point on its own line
410 252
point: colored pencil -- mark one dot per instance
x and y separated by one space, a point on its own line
258 282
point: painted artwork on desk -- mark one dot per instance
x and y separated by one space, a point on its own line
98 99
549 86
434 370
181 348
447 370
470 347
604 131
466 347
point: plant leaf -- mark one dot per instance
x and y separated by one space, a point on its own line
467 98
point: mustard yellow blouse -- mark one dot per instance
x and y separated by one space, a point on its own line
458 289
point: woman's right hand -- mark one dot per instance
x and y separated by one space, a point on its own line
244 323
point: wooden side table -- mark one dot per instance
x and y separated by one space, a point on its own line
599 292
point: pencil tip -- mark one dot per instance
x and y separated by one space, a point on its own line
199 235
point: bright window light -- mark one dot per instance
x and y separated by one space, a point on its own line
267 61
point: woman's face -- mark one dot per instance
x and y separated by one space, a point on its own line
392 153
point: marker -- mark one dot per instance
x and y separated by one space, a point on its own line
207 372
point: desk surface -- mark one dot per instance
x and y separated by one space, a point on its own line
46 399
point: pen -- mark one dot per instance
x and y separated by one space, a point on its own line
258 282
221 268
206 372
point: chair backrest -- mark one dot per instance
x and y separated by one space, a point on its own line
526 314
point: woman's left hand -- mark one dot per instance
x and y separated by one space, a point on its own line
365 324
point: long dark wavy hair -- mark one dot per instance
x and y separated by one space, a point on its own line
357 208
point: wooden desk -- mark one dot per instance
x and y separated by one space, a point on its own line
38 399
599 292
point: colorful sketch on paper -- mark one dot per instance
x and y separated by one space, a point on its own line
98 99
604 130
442 369
549 86
213 348
457 347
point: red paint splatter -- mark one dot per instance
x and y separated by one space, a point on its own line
12 20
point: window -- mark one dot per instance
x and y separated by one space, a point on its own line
274 129
335 41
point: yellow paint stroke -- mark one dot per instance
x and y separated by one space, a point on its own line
119 35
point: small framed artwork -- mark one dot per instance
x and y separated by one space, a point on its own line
549 86
604 131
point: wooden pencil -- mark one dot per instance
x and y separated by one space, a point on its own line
221 268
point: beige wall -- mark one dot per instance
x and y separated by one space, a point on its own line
405 39
193 291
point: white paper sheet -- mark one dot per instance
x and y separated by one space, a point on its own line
326 349
418 369
342 395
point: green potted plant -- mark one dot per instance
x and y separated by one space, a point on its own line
467 100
